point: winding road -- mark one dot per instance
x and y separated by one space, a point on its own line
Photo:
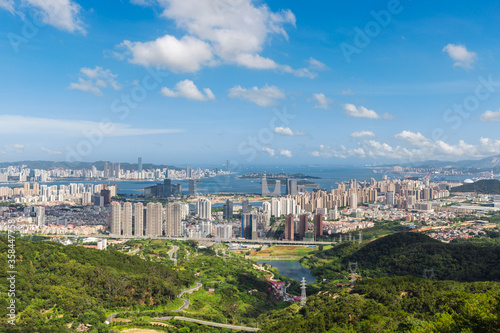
186 302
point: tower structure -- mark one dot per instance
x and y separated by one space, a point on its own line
303 293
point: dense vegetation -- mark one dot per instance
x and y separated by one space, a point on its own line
398 304
486 186
410 254
58 285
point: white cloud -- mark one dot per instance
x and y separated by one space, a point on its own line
9 125
415 139
287 131
362 112
439 150
490 116
268 150
18 146
231 32
61 14
322 102
316 65
363 134
286 153
265 96
51 152
93 80
188 89
187 54
8 5
461 56
347 92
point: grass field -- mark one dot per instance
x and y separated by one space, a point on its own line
286 251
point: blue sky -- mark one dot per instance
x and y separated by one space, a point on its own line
256 82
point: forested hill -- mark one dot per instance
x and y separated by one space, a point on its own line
398 304
486 186
408 253
412 253
58 285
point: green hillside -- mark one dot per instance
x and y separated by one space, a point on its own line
409 254
59 286
398 304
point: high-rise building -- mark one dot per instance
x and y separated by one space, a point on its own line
40 216
139 165
177 190
223 231
167 188
289 227
245 206
126 219
318 225
173 219
246 225
354 201
117 170
154 219
192 187
204 208
227 209
188 172
115 217
228 166
138 219
291 187
303 225
390 198
106 194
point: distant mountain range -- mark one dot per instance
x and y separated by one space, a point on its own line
46 165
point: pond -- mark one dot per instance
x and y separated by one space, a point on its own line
292 269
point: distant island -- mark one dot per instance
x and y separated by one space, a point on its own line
302 179
486 186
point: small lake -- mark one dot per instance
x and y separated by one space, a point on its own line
292 269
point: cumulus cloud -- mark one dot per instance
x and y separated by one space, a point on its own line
415 139
94 80
9 125
51 152
187 89
217 31
490 116
187 54
269 151
61 14
322 102
286 153
265 96
363 134
461 56
287 131
361 112
439 150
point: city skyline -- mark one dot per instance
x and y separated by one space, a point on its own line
271 82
